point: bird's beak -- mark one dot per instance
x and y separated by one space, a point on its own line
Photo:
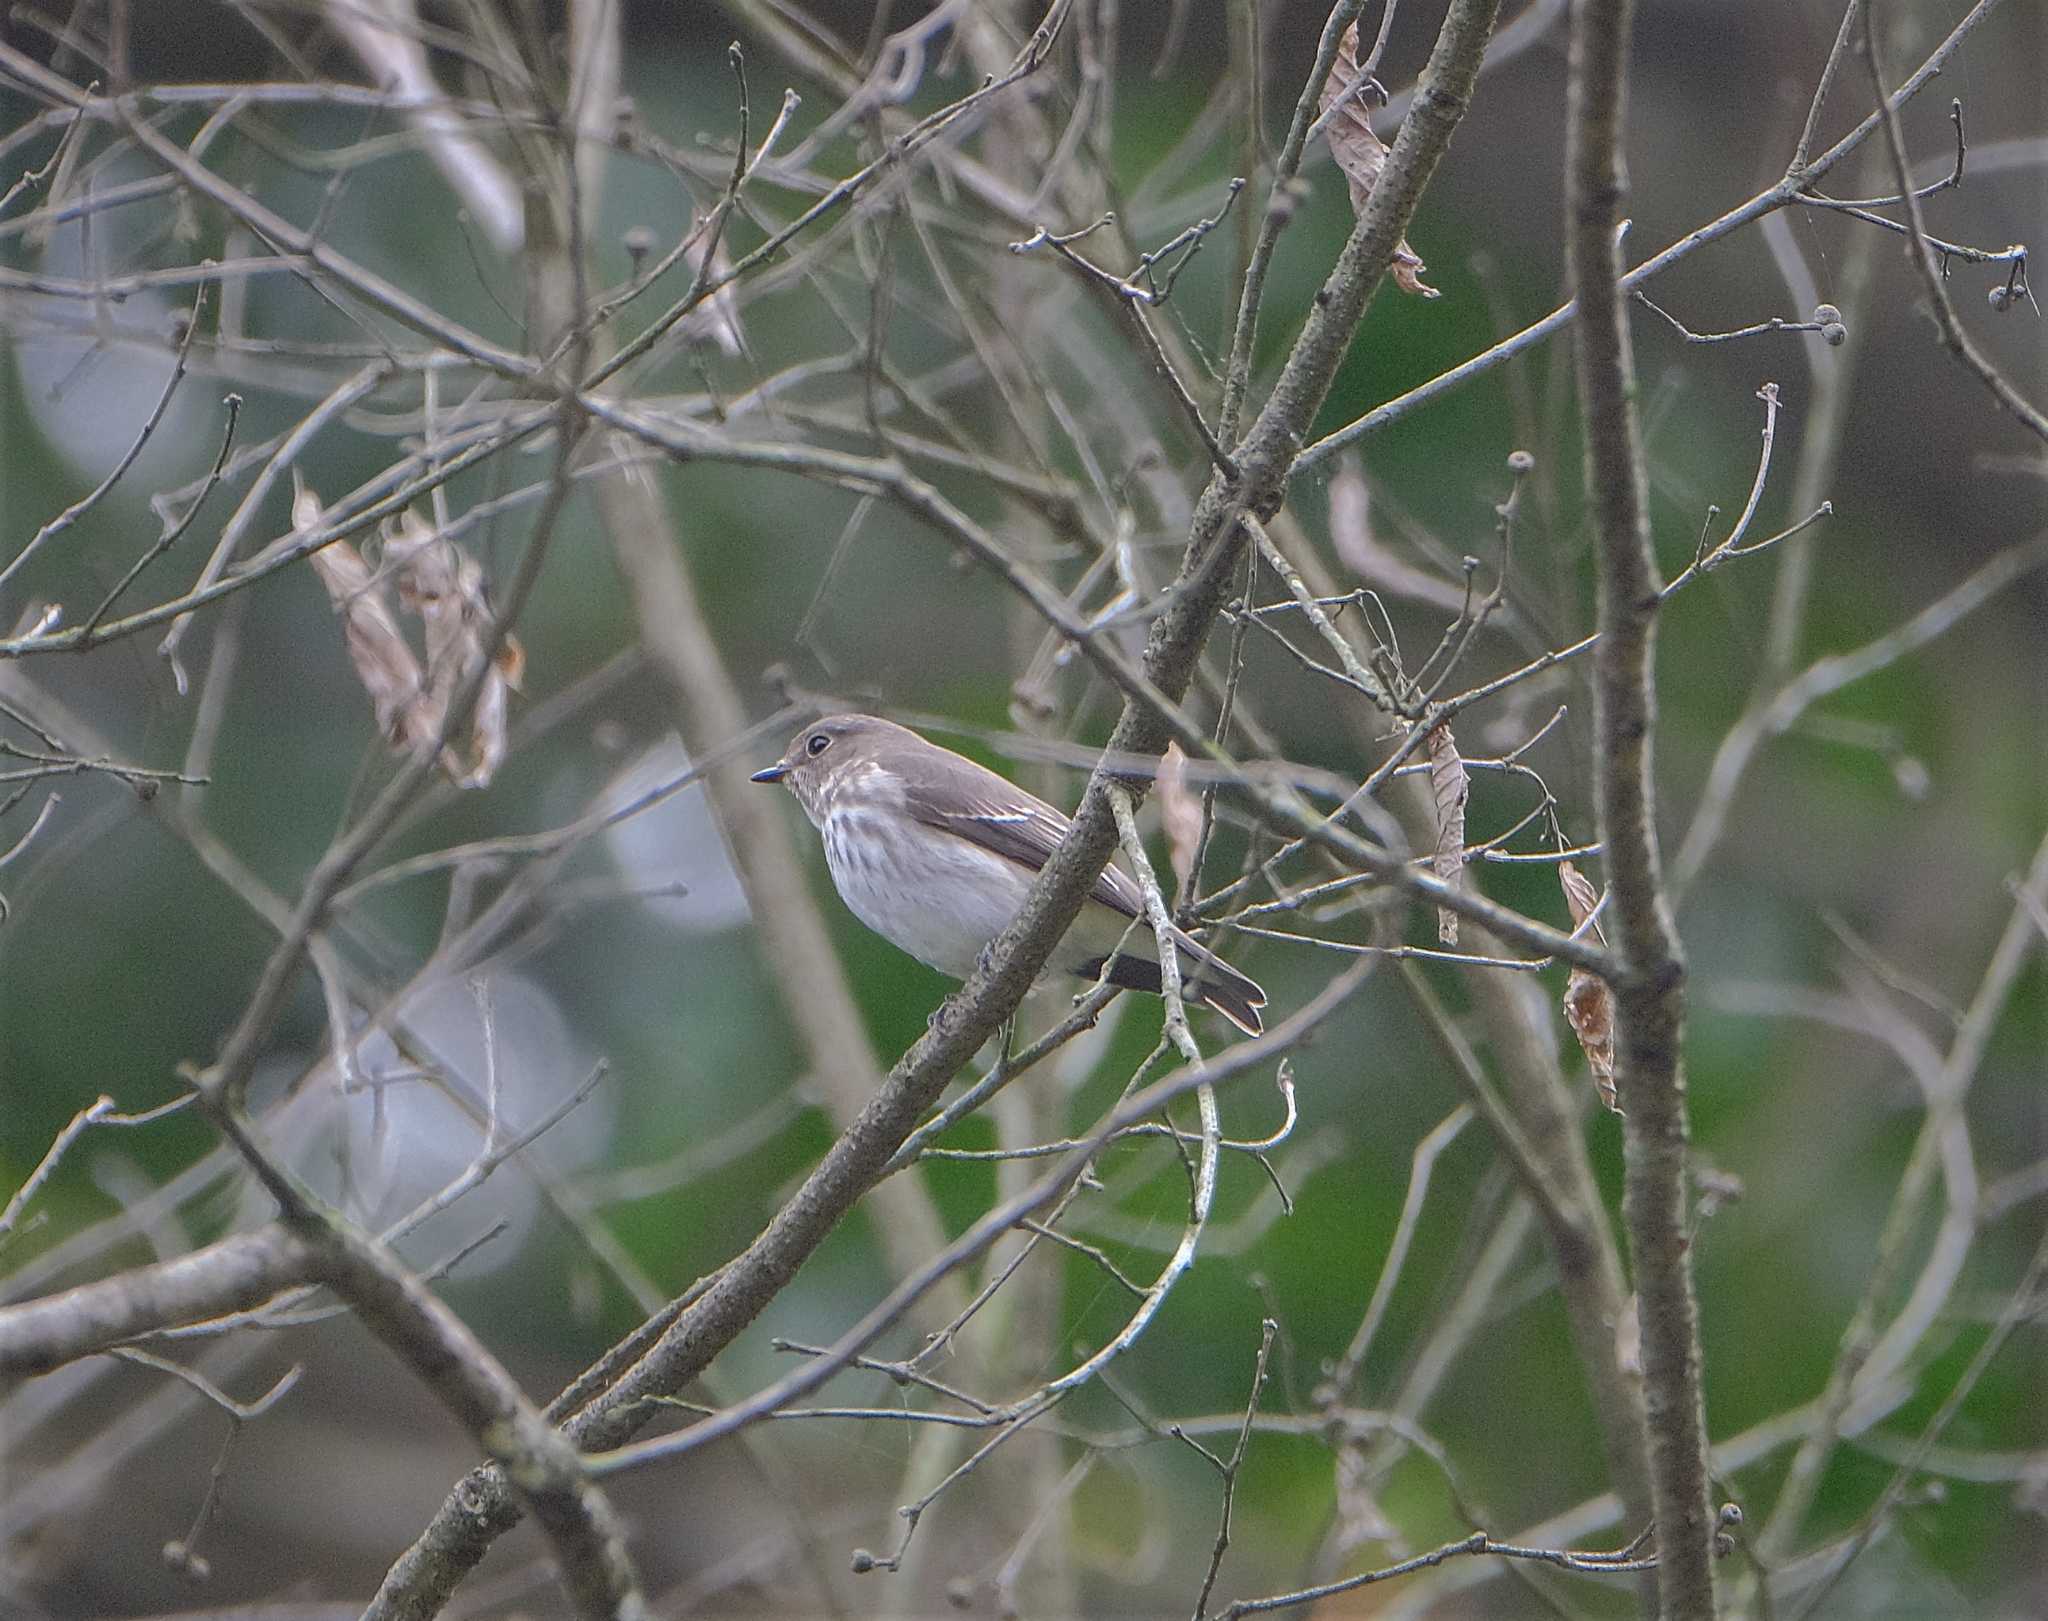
775 773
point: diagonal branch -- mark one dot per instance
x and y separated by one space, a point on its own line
482 1508
240 1271
1783 193
1953 337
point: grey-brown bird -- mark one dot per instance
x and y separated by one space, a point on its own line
936 854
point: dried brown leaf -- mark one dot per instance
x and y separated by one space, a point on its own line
431 584
1450 787
445 586
1180 812
377 649
1589 1010
489 728
1361 154
511 663
1580 898
487 734
1407 270
1588 1004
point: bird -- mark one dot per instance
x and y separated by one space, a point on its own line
936 854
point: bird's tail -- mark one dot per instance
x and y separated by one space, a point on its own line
1216 984
1205 978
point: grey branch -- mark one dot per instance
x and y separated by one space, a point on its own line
232 1275
1649 984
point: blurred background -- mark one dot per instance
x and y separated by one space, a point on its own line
1837 927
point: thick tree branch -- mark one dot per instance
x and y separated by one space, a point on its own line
239 1272
463 1375
1649 987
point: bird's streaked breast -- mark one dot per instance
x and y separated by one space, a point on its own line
935 896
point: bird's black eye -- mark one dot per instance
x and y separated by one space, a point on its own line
817 743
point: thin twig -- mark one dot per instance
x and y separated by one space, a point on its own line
1229 1470
1921 249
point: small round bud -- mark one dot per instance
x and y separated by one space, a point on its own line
1825 313
1724 1544
862 1561
638 242
1731 1514
1834 334
1520 461
2000 298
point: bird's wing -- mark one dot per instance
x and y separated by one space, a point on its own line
1019 826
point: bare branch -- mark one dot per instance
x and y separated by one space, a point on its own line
1648 984
232 1275
1921 251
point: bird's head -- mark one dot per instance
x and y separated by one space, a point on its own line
832 755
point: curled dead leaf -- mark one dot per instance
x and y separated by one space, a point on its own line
445 587
1449 787
1588 1004
1589 1010
377 649
1361 154
1580 898
1180 812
